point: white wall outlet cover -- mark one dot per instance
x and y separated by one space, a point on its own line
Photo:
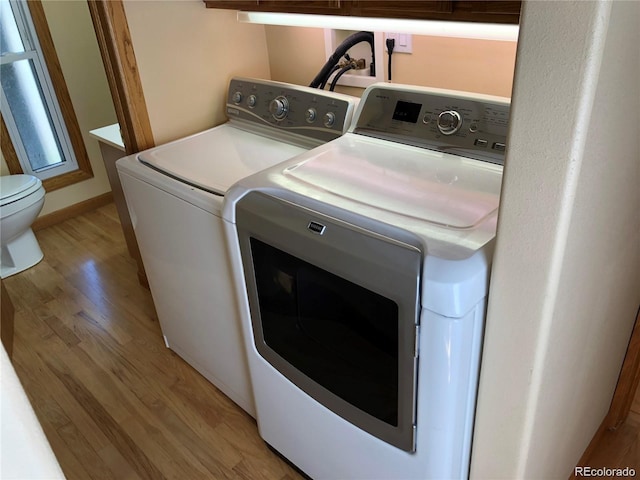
404 42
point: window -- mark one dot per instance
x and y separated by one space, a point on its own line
36 110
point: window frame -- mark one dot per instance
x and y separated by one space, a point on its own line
84 170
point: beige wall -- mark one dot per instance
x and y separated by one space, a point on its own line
186 55
75 42
296 54
480 66
566 280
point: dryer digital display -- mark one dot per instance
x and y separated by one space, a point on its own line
407 111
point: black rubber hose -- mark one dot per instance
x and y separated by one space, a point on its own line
324 82
339 52
342 71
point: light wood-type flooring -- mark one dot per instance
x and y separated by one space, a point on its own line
620 448
113 401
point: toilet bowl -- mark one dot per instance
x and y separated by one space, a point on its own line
21 200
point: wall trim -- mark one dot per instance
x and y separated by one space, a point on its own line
116 47
71 211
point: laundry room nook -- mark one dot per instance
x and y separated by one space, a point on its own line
332 239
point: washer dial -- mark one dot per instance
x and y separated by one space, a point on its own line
279 107
251 101
329 119
449 122
310 115
236 98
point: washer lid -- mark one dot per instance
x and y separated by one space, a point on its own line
215 159
15 187
438 188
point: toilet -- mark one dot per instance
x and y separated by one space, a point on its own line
21 200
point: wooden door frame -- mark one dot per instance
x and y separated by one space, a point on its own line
114 40
628 381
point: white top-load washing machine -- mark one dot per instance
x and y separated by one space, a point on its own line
174 194
364 265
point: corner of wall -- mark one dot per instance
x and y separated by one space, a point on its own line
563 297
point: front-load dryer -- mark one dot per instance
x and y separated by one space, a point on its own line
365 266
174 194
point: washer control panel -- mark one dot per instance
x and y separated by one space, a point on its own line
310 112
460 123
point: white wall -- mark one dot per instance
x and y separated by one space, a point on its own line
186 55
566 279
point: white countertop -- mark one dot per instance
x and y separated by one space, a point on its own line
109 135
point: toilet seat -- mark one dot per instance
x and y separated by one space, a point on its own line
17 187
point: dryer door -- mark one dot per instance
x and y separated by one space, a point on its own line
334 308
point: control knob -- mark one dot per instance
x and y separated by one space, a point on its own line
236 98
310 115
329 119
449 122
279 107
252 100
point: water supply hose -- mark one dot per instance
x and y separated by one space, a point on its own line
335 57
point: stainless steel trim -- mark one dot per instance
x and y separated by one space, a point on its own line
377 262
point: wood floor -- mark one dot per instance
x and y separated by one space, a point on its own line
114 402
620 448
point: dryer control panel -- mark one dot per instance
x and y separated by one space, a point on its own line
459 123
316 114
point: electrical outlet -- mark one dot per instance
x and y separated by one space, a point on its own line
403 42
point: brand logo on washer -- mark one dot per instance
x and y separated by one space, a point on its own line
316 227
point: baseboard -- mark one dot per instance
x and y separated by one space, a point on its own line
72 211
